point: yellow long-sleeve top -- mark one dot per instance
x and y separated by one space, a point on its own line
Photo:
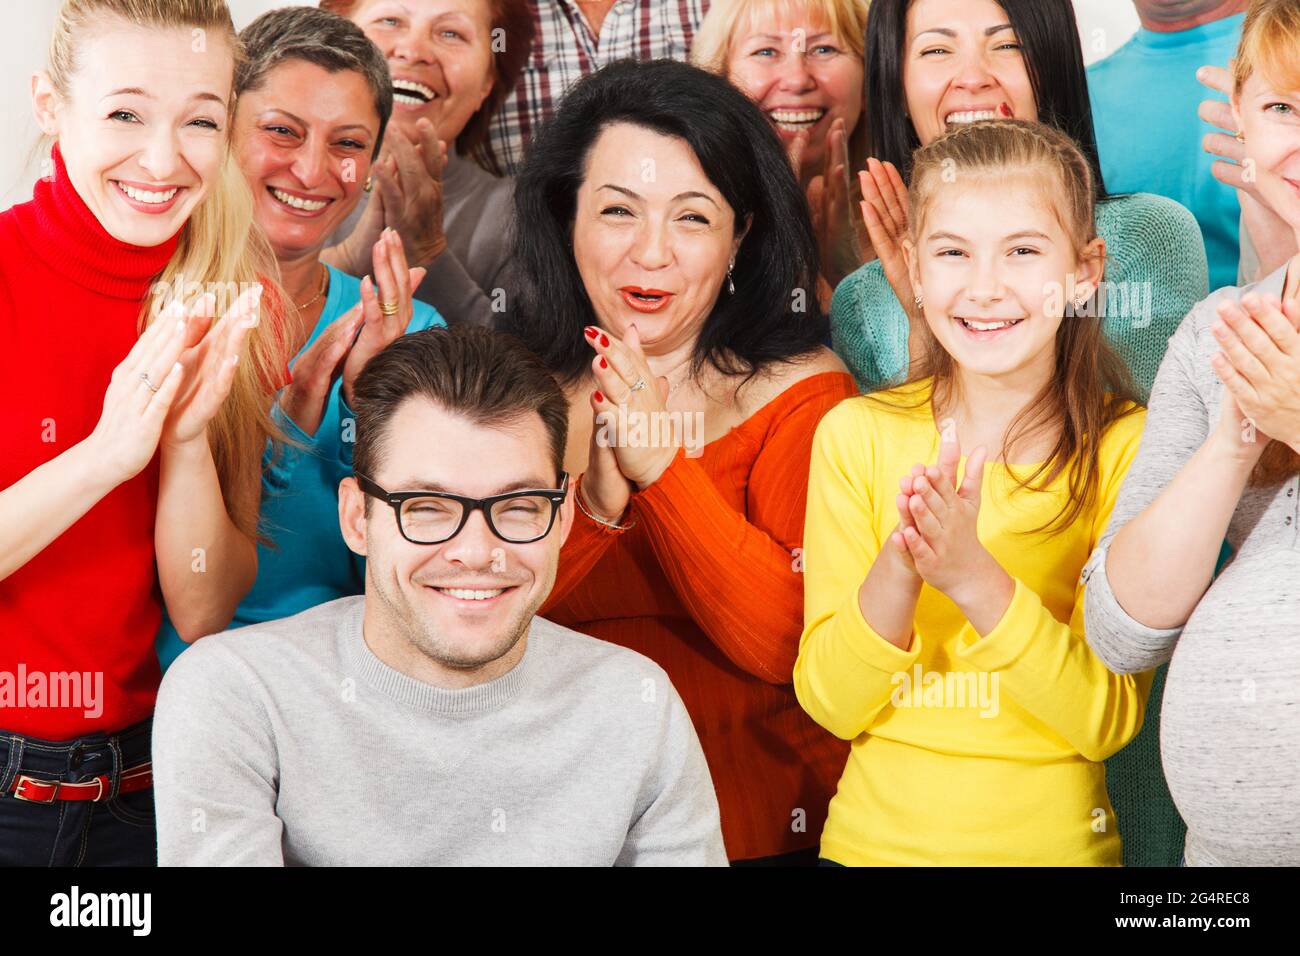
966 750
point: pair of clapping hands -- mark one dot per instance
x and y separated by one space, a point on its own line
172 383
351 340
1259 357
625 387
1259 364
936 537
828 198
406 196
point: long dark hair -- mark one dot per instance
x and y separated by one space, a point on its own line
768 318
1049 35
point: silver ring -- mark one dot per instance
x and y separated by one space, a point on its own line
638 385
144 377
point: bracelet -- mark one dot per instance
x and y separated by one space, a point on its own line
613 525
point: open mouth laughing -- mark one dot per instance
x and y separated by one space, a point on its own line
412 93
962 117
645 300
796 120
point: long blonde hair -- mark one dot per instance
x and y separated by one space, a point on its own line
1091 387
220 250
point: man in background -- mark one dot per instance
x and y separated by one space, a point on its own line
1145 97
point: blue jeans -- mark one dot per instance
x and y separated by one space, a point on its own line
119 831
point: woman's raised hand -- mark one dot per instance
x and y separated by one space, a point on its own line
140 394
884 213
828 201
315 370
630 405
211 353
1259 366
415 209
386 311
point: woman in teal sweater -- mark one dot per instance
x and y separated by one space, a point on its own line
314 99
933 64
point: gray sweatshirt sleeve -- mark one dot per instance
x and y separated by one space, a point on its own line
456 295
679 825
1177 425
214 764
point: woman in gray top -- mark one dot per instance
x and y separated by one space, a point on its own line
1219 459
452 63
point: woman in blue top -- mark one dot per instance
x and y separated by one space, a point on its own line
933 64
314 98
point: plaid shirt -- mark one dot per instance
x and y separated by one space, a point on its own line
565 50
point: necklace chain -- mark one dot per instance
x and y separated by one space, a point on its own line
674 386
324 284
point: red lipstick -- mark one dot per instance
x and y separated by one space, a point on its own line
645 300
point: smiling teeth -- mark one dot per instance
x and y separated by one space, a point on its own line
140 195
796 118
971 116
987 326
410 86
307 205
467 595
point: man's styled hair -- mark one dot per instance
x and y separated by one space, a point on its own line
488 377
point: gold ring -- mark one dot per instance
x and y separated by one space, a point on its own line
389 308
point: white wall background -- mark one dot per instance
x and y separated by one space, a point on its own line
1104 25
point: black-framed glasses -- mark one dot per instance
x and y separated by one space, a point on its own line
433 517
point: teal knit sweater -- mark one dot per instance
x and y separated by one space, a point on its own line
1155 273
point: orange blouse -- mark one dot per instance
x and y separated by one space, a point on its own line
708 585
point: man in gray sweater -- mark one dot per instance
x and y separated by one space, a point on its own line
436 719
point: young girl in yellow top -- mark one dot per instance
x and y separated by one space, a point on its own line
944 618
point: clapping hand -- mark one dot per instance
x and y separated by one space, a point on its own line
1260 366
884 213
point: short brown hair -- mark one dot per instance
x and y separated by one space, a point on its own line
486 376
515 21
333 43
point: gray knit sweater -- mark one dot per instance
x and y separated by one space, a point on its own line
1230 724
290 742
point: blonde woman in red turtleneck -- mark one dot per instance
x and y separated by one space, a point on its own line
126 456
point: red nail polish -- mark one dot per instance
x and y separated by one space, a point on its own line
603 363
591 333
603 339
599 397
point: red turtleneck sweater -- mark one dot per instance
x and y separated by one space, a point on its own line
70 303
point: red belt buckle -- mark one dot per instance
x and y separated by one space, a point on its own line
52 788
24 781
34 790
